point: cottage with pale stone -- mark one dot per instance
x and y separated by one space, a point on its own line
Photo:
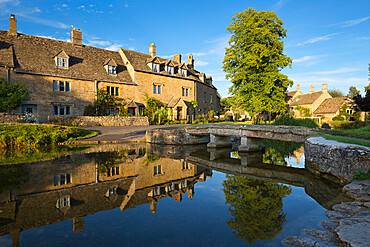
63 78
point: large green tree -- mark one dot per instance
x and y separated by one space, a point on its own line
256 207
335 93
11 96
353 91
254 60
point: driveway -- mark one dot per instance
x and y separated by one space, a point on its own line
125 133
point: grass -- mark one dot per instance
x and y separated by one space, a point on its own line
291 121
363 132
362 176
344 139
20 136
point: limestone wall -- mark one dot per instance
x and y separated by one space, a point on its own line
335 160
99 121
11 118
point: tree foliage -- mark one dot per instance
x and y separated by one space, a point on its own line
364 102
256 207
335 93
151 107
11 96
353 92
254 60
103 102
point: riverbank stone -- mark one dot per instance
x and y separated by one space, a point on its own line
356 235
323 235
329 224
302 242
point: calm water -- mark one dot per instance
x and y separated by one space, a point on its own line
146 195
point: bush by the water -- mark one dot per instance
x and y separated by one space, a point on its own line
288 120
18 136
362 176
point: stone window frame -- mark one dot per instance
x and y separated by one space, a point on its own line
156 67
112 70
61 86
205 97
185 91
170 70
185 165
157 170
157 88
62 179
62 62
183 72
113 171
62 110
114 91
210 98
64 201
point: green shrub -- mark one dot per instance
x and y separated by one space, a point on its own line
325 126
362 176
287 120
338 118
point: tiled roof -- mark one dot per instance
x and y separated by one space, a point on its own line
331 105
36 55
6 55
306 99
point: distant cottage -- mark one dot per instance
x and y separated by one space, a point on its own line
63 78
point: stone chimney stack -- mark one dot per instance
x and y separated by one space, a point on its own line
325 87
190 61
12 25
298 87
177 58
76 37
152 51
202 77
312 89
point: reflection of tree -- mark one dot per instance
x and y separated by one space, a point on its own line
107 160
11 177
277 151
256 207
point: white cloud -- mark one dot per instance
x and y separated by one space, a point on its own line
113 47
279 5
318 39
46 22
98 43
337 71
304 59
110 5
64 5
351 23
126 5
201 63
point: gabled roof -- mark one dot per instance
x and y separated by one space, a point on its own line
170 63
153 60
62 54
173 102
332 105
34 54
110 62
306 99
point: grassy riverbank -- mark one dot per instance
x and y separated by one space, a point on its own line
21 136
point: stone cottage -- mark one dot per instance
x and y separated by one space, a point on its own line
63 78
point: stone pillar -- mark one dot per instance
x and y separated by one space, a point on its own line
217 154
15 237
78 224
218 141
251 158
250 144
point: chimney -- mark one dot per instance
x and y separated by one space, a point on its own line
76 36
190 61
12 25
177 58
298 87
312 89
152 51
325 87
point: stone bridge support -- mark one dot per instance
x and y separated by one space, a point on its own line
219 141
251 158
251 144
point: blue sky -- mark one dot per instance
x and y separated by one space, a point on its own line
329 41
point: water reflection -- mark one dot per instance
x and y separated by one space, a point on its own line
100 178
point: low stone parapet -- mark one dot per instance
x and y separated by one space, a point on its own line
88 121
341 160
11 118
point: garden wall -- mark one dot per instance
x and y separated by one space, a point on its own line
88 121
11 118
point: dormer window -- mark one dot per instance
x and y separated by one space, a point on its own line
170 70
112 70
183 72
62 60
155 67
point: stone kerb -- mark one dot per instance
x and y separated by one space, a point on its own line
88 121
340 160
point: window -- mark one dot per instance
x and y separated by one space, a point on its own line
112 70
205 97
112 191
185 91
185 165
157 89
183 72
61 86
112 171
170 187
155 67
114 91
349 111
158 169
156 191
62 62
210 99
62 179
184 183
62 110
113 111
170 70
64 201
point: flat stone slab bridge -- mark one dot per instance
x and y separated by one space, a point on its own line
220 135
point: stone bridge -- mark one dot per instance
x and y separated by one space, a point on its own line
220 135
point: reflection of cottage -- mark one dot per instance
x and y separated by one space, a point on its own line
63 78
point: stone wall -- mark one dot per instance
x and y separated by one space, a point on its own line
335 160
88 121
11 118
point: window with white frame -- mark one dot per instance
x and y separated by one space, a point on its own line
112 70
183 72
62 62
62 179
64 201
61 86
61 110
170 70
155 67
